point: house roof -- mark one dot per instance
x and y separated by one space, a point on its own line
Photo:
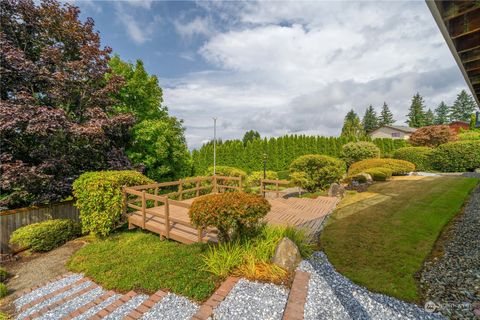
402 128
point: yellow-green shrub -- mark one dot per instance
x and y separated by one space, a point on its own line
253 179
231 213
398 167
3 290
469 135
314 171
356 151
419 156
379 173
46 235
457 156
99 198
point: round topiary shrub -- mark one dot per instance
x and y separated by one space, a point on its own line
456 156
313 172
432 136
398 167
99 198
253 179
419 156
46 235
232 213
379 174
3 290
356 151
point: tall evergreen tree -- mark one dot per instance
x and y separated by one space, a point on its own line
463 107
352 127
441 114
416 115
370 120
429 118
386 116
250 136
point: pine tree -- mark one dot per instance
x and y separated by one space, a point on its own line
386 116
463 107
370 120
441 114
429 118
352 127
416 115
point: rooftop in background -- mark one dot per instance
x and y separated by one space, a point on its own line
459 22
403 128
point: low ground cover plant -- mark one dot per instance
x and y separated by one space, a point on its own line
456 156
419 156
432 136
356 151
46 235
99 198
315 172
232 213
398 167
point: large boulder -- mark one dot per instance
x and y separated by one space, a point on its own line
336 190
287 255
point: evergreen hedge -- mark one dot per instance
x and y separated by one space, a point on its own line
456 156
419 156
280 151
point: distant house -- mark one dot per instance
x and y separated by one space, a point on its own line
393 132
457 125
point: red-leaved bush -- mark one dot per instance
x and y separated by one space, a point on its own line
432 136
231 213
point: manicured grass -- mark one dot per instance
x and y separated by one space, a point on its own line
380 238
134 260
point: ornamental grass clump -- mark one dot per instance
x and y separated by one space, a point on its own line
99 198
232 213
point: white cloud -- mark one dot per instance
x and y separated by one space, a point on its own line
197 26
145 4
140 31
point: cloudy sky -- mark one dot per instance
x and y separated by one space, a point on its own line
281 67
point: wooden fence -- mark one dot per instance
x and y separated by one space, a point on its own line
277 183
11 220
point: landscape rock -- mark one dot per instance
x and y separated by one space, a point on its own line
367 176
287 255
336 190
477 170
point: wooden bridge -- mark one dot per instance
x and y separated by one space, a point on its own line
161 209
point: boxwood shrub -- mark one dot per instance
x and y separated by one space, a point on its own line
99 198
253 179
313 172
398 167
232 213
379 173
46 235
457 156
419 156
356 151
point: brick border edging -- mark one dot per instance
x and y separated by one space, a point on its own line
206 309
113 306
28 290
294 310
89 305
145 306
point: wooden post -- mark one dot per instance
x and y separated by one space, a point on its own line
125 199
214 181
167 219
197 186
180 189
276 189
144 205
156 194
199 234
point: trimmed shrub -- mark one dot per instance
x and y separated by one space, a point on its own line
253 179
419 156
3 290
227 172
99 198
3 274
232 213
456 156
432 136
469 135
379 174
398 167
46 235
313 171
356 151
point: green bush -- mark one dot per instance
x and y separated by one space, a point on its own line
3 290
469 135
398 167
253 179
227 172
232 213
419 156
284 175
46 235
356 151
379 174
456 156
3 274
99 198
313 171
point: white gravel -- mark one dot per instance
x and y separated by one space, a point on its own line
49 288
172 307
252 300
90 312
125 308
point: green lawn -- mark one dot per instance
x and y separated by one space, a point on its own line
380 238
135 260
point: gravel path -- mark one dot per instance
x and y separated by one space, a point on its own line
452 282
332 296
94 310
252 300
125 308
172 307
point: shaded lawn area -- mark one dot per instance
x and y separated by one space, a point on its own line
380 238
135 260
